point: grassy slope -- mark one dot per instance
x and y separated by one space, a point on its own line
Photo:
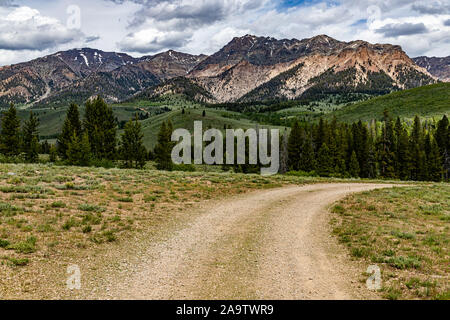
51 120
405 231
214 119
428 101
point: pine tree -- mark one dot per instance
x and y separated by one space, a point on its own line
71 124
386 155
284 154
73 153
402 154
354 165
53 152
308 158
360 135
10 133
31 138
339 135
416 148
163 148
442 137
45 147
132 148
324 162
434 167
101 127
322 134
79 150
294 147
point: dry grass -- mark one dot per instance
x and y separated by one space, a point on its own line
406 232
49 213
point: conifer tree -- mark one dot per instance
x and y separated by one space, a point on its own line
284 154
361 147
386 148
308 158
53 153
442 137
101 127
321 134
72 124
31 138
132 148
294 146
324 161
163 148
402 154
10 133
354 165
79 150
434 167
45 147
416 151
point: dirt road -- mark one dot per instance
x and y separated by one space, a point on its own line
271 244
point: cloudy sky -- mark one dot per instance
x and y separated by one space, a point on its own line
29 29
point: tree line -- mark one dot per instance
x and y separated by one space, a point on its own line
390 149
387 149
82 142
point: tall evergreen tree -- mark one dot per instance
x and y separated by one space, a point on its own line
45 147
101 127
31 138
434 167
132 149
294 146
416 151
353 169
322 134
163 148
402 154
53 153
324 162
361 147
284 154
72 124
308 158
442 137
10 133
79 150
386 147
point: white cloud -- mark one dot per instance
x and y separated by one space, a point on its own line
151 40
25 28
204 26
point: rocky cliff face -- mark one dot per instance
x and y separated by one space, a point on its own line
255 68
438 67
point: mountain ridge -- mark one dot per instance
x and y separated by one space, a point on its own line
247 68
437 66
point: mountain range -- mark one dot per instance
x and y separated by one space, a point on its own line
248 68
438 67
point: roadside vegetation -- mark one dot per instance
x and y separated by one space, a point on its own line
406 232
